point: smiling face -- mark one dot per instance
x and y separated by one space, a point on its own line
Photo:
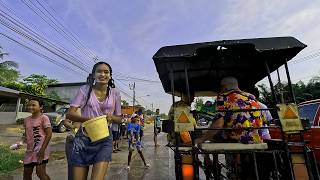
34 107
102 74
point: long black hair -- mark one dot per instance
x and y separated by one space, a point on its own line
90 80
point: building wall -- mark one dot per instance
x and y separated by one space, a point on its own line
128 109
67 93
7 117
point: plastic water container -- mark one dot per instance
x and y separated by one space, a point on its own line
96 128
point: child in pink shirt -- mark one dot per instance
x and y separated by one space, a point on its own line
38 133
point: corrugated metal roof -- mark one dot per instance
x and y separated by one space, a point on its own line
15 93
8 90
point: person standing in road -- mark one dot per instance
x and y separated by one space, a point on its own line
97 98
157 127
38 132
134 139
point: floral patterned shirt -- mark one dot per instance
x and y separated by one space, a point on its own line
231 105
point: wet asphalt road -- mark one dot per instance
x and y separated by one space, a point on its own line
160 159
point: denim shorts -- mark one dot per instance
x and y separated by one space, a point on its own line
137 145
115 135
85 152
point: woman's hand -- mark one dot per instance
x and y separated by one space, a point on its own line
113 119
74 115
109 118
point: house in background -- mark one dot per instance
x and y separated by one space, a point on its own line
12 104
129 109
66 91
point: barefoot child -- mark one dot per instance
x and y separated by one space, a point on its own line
38 133
134 140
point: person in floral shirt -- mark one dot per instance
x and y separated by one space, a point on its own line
232 104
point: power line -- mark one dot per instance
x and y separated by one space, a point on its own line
36 41
18 22
307 58
45 18
123 83
70 32
41 55
138 79
44 43
36 37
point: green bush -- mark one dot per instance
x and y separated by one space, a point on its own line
9 159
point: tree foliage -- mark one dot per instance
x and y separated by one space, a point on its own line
124 103
303 92
8 69
33 84
198 103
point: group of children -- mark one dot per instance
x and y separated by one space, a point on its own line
97 98
38 133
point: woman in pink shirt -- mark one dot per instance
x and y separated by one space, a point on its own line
99 97
38 133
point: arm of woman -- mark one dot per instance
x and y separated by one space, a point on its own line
116 117
73 115
78 101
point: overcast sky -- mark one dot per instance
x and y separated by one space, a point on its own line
128 33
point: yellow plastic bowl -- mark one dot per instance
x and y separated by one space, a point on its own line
96 128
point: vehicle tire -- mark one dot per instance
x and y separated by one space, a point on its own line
61 128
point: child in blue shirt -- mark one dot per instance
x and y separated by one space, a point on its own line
134 139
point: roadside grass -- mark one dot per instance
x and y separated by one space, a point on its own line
9 159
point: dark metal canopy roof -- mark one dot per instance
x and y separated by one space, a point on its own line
207 63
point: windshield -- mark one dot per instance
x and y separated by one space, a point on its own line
308 111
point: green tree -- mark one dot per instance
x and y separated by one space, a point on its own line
19 86
39 79
8 69
37 84
198 103
34 84
303 92
163 116
149 112
124 103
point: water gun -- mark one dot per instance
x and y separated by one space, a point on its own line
16 146
207 108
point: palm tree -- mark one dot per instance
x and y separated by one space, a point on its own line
8 69
8 64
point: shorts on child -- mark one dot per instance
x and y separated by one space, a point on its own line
115 135
136 145
33 164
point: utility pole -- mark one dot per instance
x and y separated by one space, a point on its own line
152 107
133 87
